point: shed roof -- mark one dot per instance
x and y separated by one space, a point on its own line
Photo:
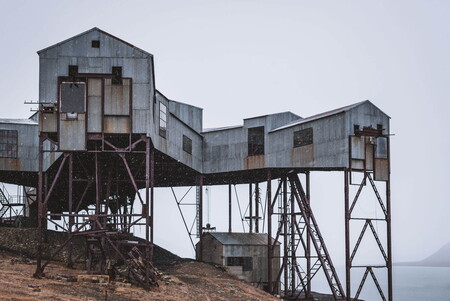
252 239
18 121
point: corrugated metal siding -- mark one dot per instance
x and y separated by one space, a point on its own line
72 133
94 105
27 152
136 64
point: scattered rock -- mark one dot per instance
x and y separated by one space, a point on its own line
21 260
93 278
34 287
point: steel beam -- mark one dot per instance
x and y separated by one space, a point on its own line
269 233
229 208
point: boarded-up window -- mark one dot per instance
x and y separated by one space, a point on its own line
73 97
256 141
245 262
381 168
8 144
162 120
381 150
303 137
187 144
117 98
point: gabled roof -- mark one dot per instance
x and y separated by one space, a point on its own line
249 239
102 32
322 115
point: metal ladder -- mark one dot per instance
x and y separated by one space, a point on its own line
4 200
197 208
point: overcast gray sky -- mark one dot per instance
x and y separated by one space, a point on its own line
238 59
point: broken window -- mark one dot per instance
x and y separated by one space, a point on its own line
245 262
256 141
303 137
117 75
8 144
187 144
162 120
95 44
73 97
73 71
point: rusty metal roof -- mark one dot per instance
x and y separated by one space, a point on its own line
252 239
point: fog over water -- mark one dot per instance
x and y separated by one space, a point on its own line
238 59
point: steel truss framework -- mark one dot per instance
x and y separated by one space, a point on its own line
304 250
253 215
351 251
13 207
103 182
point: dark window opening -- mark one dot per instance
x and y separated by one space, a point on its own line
73 71
8 144
162 120
256 141
117 75
303 137
73 97
187 144
95 44
245 262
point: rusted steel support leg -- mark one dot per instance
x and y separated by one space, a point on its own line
348 262
250 209
146 210
229 208
97 189
293 257
71 218
308 237
256 207
200 216
152 193
388 221
285 236
269 233
44 207
40 200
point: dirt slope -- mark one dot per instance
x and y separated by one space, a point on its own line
183 281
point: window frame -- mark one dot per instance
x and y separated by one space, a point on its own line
13 150
61 96
246 262
187 144
303 137
256 148
162 129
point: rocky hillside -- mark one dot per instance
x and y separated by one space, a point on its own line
179 279
441 258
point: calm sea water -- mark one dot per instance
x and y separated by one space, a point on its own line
409 284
